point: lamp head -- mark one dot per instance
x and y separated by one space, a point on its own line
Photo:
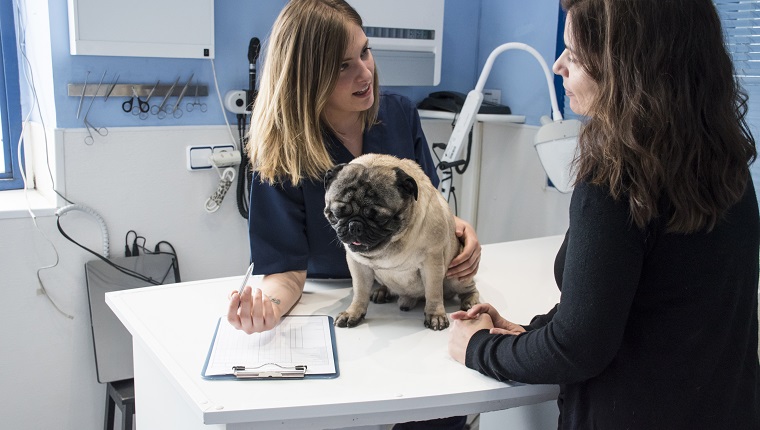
556 143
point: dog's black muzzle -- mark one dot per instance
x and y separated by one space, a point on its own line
355 228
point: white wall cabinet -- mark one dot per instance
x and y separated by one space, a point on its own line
142 28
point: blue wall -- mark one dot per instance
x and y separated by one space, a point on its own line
472 29
515 72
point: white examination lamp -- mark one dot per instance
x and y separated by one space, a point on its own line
555 141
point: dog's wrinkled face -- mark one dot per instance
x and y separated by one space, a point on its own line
367 205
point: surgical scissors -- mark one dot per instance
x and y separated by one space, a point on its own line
144 113
142 106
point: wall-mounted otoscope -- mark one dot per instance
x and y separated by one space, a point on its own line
241 101
254 48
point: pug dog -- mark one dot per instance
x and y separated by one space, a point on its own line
398 230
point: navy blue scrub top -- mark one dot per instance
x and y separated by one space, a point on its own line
287 227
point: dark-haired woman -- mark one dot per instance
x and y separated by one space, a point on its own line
657 325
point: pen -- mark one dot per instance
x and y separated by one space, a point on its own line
245 280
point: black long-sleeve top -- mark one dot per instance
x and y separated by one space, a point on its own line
654 330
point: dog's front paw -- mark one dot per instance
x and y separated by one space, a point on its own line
381 294
345 319
468 300
436 321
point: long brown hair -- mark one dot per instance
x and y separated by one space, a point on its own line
667 123
301 67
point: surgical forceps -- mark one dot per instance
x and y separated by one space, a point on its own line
177 111
90 139
102 131
84 88
202 106
110 88
159 110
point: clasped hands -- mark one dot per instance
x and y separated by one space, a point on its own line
479 317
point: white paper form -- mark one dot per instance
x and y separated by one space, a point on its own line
297 340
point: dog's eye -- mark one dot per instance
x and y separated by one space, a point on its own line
369 212
341 210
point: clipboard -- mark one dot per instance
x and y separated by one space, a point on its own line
300 347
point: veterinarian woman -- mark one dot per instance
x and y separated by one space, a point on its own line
657 323
318 105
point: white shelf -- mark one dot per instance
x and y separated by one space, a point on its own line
434 114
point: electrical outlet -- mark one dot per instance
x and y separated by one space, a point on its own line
493 96
204 157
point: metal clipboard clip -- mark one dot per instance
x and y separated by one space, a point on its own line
265 371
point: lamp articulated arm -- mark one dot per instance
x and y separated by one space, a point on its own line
474 99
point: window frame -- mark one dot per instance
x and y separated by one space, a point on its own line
559 89
10 100
736 15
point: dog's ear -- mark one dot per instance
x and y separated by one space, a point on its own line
331 173
406 184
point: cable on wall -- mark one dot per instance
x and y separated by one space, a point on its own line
29 75
221 104
135 246
101 223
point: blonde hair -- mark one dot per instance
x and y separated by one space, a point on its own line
304 53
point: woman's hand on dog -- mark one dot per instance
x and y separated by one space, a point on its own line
465 265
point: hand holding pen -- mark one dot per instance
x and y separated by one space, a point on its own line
245 279
251 311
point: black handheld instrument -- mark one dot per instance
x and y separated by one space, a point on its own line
254 48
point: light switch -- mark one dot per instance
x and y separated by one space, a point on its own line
198 157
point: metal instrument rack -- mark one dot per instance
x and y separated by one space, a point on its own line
125 90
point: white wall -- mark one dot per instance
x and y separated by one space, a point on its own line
511 200
48 365
49 369
514 201
136 178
